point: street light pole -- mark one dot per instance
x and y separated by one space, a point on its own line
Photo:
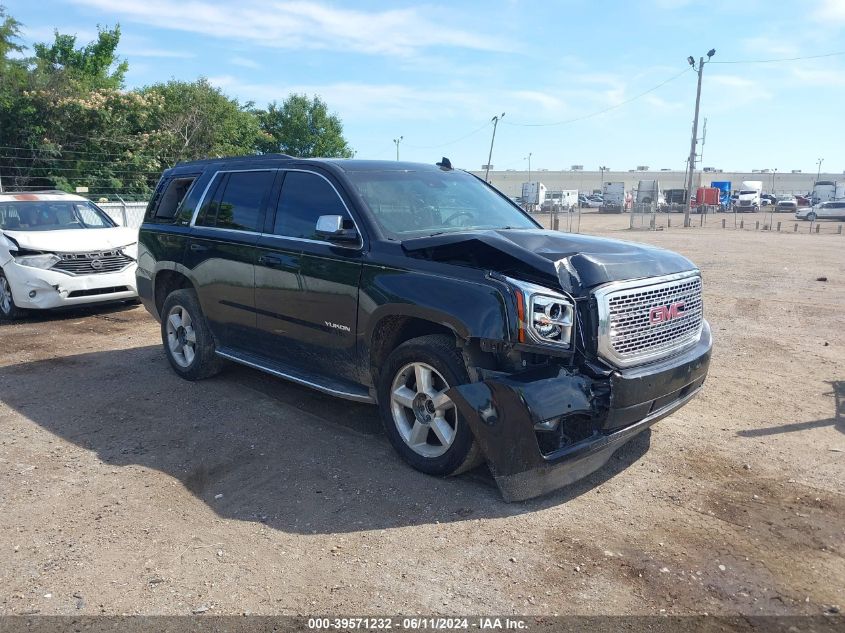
602 169
397 141
529 165
495 121
819 172
694 139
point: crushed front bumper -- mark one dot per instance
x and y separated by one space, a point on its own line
502 413
39 289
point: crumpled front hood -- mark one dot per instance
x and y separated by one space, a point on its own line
577 262
74 240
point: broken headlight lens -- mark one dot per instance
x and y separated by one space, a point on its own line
551 318
544 315
43 260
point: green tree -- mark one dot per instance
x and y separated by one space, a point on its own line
10 30
196 120
302 127
94 66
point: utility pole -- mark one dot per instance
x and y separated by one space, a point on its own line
495 121
694 139
819 171
397 141
529 165
602 169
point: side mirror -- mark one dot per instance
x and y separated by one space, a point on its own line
330 228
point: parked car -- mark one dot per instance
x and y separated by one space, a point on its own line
59 250
767 198
586 202
803 201
833 210
422 289
786 204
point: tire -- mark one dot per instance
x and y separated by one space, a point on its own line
8 309
811 216
418 441
187 341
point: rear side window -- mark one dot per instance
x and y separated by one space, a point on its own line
239 201
305 197
172 197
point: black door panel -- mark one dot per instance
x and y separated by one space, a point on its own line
223 267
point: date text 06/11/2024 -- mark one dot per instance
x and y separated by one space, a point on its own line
417 623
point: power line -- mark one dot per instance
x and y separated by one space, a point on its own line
465 136
599 112
778 60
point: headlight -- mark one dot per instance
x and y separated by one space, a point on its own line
545 316
131 250
46 260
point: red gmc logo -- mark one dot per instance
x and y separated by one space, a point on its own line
661 314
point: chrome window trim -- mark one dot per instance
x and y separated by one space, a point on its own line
194 217
605 351
358 245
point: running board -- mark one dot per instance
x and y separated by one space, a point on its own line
340 389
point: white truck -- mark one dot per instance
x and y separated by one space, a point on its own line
613 197
533 193
748 199
565 200
648 195
825 191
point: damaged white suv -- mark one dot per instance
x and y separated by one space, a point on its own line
61 250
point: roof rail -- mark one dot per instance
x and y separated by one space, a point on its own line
243 158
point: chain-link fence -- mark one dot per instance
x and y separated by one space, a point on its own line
129 214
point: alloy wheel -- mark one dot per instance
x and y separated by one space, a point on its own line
181 336
5 296
426 418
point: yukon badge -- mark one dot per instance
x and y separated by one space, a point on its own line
661 314
338 326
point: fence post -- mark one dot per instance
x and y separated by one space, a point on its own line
778 227
796 228
757 225
669 223
818 226
742 224
556 224
839 231
723 222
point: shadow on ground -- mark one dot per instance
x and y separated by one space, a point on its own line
279 454
837 421
77 312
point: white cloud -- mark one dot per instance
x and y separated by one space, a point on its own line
304 24
379 102
831 11
46 34
245 62
154 52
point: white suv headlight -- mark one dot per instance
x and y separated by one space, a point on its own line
44 260
545 316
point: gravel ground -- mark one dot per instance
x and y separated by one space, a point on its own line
125 490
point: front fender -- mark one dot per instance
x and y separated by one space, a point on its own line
470 308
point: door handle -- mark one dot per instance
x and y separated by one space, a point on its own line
271 261
198 248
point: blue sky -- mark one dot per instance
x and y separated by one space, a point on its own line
435 73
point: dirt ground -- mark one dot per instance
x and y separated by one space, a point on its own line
125 490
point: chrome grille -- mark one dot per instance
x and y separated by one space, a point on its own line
93 263
628 333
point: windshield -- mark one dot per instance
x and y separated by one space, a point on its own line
417 203
52 215
748 192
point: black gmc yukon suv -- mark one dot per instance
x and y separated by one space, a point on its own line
480 335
